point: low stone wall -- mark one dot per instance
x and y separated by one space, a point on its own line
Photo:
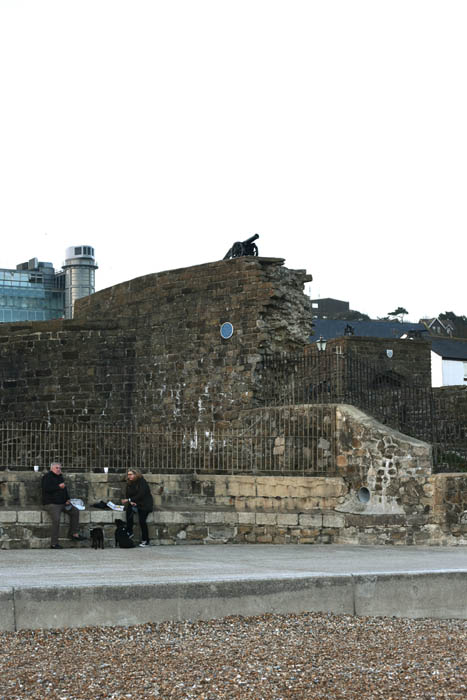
248 509
22 528
385 493
240 493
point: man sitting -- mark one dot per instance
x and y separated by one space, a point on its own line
56 499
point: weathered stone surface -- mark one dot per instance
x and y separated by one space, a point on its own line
131 368
289 520
335 520
29 516
406 505
247 518
266 519
393 467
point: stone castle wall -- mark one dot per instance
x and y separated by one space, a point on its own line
66 370
150 350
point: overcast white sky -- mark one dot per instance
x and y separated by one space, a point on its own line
162 131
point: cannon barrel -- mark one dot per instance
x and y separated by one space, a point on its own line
250 240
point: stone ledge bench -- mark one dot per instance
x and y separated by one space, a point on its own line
28 527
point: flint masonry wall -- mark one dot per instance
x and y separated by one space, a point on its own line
150 351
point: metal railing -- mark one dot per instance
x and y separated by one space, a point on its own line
272 441
393 399
269 444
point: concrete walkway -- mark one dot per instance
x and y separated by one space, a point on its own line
78 587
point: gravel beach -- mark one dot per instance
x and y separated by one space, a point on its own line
268 657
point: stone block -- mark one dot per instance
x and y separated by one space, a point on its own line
39 543
196 533
333 520
264 539
266 518
227 501
177 517
221 486
29 516
193 516
231 518
250 537
244 486
280 539
7 516
246 518
314 520
104 516
216 517
220 534
270 486
286 520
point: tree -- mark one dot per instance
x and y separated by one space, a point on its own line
399 312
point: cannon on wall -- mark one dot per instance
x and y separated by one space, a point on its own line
241 248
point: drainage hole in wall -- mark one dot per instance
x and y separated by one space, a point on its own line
363 495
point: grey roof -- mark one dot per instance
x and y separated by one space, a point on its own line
328 329
450 349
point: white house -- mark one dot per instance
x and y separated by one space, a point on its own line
448 362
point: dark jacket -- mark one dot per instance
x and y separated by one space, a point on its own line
51 491
138 491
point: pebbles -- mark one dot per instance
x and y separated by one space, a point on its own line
269 657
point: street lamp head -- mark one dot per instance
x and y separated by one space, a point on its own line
321 344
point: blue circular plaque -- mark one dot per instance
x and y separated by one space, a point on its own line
227 330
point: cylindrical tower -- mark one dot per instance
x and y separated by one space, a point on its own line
79 268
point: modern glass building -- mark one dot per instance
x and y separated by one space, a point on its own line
35 291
